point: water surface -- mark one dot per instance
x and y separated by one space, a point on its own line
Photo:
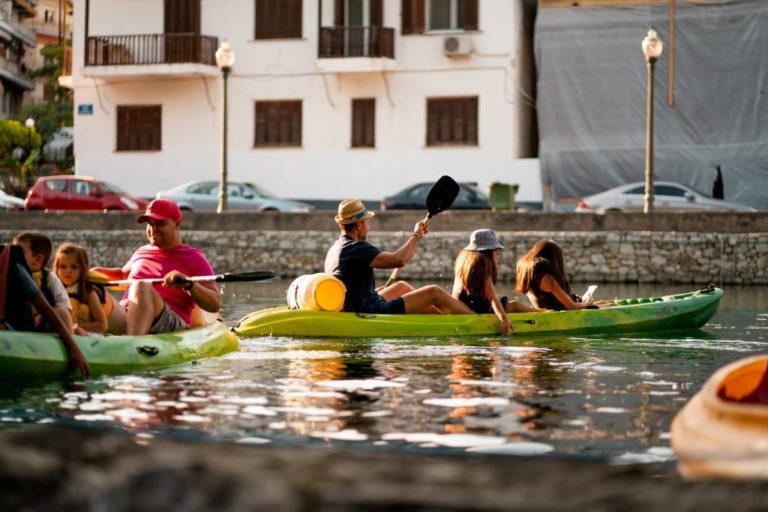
611 397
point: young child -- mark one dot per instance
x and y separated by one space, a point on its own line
71 265
475 276
541 275
37 252
16 283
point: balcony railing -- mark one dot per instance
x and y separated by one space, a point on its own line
340 42
141 49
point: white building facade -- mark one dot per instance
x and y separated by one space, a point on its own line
326 98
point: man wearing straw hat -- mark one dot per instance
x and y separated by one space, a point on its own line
352 259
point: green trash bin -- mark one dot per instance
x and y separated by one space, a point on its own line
501 196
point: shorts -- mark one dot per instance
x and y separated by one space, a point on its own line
166 321
395 306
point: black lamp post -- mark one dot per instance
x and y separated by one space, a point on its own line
225 58
652 48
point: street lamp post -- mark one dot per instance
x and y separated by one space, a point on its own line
652 48
225 58
30 124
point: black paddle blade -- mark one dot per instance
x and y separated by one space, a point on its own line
442 195
256 275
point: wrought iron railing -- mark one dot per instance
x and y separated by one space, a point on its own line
372 41
151 49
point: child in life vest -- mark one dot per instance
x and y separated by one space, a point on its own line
88 300
475 275
37 249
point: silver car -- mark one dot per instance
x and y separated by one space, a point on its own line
203 196
666 196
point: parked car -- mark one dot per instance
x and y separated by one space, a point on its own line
204 196
79 193
9 202
666 196
415 198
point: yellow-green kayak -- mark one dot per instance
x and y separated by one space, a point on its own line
683 311
33 355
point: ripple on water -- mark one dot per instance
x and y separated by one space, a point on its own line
359 385
448 440
520 448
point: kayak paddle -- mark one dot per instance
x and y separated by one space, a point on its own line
228 277
441 196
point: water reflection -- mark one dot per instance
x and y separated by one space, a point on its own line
609 396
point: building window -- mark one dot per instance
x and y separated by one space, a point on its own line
278 123
421 15
452 121
364 123
139 128
278 19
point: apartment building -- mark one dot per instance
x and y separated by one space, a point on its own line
326 99
52 25
16 38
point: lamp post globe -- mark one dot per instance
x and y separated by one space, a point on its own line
225 59
652 49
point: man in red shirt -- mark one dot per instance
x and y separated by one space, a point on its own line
166 307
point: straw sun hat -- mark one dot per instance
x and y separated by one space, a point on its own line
351 211
483 240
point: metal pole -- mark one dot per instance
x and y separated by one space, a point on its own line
648 198
223 170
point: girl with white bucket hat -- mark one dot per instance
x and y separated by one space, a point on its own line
475 276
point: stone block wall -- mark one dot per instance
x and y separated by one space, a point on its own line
604 256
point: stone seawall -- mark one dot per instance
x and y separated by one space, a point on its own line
602 256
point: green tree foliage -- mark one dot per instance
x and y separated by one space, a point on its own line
19 148
49 117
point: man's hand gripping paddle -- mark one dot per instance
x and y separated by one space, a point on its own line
440 198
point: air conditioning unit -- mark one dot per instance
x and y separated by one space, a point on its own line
456 45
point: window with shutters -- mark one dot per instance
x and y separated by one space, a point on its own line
278 124
452 121
278 19
364 123
139 128
419 16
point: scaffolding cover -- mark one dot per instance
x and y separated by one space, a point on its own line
592 81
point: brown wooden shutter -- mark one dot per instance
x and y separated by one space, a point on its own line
278 123
182 17
139 128
339 13
364 123
413 16
261 22
278 19
452 121
377 13
470 15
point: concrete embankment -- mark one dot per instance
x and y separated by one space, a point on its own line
721 247
53 468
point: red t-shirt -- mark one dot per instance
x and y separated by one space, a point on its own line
152 262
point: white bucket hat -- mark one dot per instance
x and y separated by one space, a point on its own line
483 240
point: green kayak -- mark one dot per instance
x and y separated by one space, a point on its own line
33 355
684 311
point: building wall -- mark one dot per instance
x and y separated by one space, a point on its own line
325 166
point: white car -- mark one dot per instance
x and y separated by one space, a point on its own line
9 202
203 196
666 196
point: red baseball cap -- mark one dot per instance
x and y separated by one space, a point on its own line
160 209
